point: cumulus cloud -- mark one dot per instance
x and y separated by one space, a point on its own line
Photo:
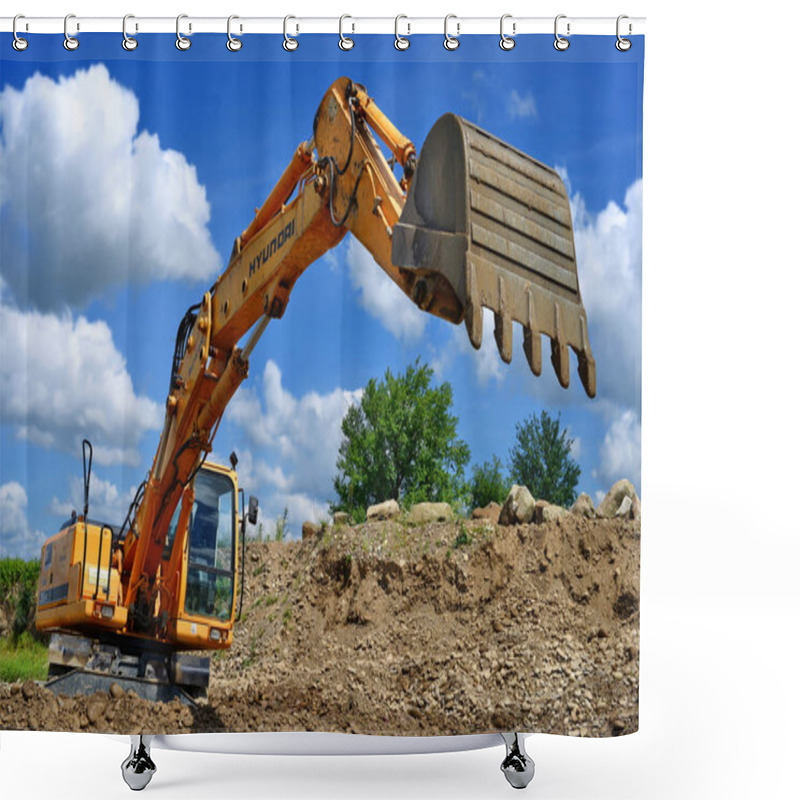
621 451
521 106
63 379
608 248
298 442
106 502
381 297
17 540
488 364
86 201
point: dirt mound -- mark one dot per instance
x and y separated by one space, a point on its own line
392 628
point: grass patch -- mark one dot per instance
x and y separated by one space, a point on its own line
27 660
463 539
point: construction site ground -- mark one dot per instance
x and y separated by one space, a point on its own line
391 628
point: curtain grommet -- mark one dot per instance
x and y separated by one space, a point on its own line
233 44
561 44
400 42
451 42
290 44
70 42
345 42
622 44
181 42
18 43
507 42
129 43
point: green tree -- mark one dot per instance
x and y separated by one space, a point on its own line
400 443
488 484
540 459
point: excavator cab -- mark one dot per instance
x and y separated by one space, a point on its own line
205 603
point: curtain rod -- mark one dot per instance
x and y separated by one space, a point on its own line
404 25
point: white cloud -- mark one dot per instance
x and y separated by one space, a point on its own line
609 254
297 439
89 203
17 540
106 502
521 106
62 379
488 364
381 297
621 451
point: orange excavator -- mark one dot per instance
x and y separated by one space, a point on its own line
472 224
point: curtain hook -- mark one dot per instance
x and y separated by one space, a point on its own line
623 44
128 42
507 42
400 42
181 42
19 43
345 43
233 44
561 43
451 42
289 44
70 42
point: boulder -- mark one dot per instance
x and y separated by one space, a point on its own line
341 518
311 530
490 513
386 510
583 506
614 499
518 507
421 513
550 513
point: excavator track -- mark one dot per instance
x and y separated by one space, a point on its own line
81 666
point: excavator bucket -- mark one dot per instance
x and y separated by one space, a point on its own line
485 225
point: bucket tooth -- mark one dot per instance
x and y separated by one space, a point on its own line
474 322
532 339
503 335
559 352
502 323
533 350
586 364
474 312
489 227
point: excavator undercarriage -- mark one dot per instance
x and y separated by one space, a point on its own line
84 665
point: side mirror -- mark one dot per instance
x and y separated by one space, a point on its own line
252 510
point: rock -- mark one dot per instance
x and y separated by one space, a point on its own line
116 691
625 508
490 512
422 513
341 518
583 506
28 689
551 513
613 500
95 709
311 530
386 510
518 507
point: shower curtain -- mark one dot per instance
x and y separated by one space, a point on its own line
446 536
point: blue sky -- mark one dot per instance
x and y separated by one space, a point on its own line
125 178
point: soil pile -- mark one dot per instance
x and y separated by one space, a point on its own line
394 628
